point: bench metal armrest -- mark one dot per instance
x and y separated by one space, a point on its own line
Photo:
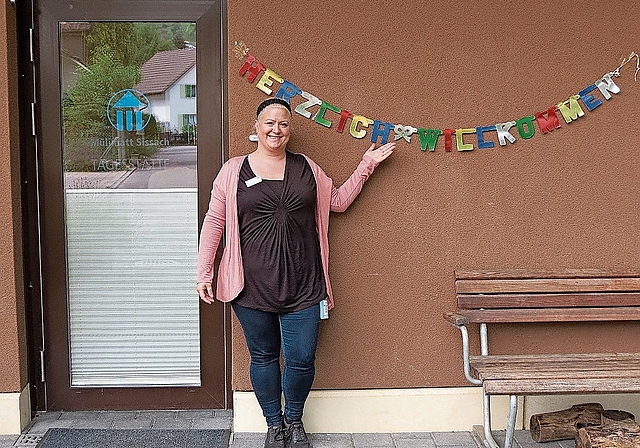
460 322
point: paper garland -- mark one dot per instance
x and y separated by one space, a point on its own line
359 126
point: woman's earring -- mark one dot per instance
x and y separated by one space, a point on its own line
253 137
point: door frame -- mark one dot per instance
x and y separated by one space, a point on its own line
44 200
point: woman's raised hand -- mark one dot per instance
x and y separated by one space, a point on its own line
381 153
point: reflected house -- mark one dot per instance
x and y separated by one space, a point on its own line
169 83
74 51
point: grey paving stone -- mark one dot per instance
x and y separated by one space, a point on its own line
227 413
247 440
523 440
532 444
8 440
456 438
101 423
158 414
82 415
413 440
211 423
137 423
372 440
415 443
198 413
412 435
172 423
121 415
41 426
331 440
48 415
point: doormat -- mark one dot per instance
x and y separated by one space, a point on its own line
135 438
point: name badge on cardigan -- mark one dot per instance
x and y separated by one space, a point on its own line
254 180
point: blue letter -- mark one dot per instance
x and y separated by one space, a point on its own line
481 143
384 132
287 91
589 100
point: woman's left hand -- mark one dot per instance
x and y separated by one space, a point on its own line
380 153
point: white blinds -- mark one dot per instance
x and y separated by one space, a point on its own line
133 312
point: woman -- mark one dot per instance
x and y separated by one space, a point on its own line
274 206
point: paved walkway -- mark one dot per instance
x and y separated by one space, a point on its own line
222 419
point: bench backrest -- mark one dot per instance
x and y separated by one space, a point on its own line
548 296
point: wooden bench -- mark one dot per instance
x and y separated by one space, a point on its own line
524 297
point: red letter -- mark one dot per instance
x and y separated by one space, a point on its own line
447 138
344 115
249 67
549 123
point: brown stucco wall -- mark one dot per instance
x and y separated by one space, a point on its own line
563 199
13 368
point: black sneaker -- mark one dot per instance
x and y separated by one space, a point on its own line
275 437
295 436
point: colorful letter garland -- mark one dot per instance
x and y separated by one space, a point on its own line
358 125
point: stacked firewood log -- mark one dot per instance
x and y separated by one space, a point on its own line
589 424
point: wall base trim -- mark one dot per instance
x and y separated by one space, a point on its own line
380 410
415 410
15 411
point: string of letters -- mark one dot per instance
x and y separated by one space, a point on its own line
466 139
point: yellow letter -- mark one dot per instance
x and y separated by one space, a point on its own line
571 111
462 146
265 81
354 126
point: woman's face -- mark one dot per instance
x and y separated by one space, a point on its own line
273 127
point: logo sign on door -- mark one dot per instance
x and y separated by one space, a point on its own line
125 110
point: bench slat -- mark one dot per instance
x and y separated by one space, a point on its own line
573 366
561 386
552 285
555 374
600 299
551 315
469 274
541 367
570 358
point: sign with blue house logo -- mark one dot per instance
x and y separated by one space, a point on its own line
125 110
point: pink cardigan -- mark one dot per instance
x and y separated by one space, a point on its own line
223 215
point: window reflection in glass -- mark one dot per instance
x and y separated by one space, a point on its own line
129 104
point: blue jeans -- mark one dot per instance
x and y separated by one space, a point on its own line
297 334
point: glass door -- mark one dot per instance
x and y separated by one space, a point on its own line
124 180
131 214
